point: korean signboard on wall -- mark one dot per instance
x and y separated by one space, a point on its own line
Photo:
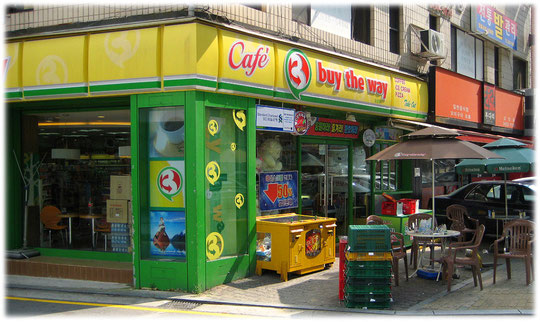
334 128
496 26
468 102
489 104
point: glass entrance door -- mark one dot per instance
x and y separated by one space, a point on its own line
325 181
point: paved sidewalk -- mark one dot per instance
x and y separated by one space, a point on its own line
319 290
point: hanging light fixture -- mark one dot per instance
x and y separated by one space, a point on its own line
66 154
124 151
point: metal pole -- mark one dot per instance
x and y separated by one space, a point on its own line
505 197
433 194
25 242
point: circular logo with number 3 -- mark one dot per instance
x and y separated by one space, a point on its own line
214 246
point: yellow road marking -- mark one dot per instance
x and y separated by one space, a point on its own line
129 307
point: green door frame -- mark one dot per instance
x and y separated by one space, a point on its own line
149 272
224 270
195 274
335 141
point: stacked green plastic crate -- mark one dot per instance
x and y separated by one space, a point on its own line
368 271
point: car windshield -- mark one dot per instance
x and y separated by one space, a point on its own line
529 193
458 190
483 192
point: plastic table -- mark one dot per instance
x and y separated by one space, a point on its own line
444 236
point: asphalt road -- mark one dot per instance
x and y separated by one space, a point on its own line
25 303
22 303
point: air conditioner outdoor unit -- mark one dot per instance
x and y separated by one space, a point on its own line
433 44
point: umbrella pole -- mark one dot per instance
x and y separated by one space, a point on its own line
505 197
433 194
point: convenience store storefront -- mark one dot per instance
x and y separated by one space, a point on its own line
191 97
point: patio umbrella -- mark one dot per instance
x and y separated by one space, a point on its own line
517 158
433 143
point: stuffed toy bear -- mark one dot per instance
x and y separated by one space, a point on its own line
269 154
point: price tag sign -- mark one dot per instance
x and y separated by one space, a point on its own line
278 190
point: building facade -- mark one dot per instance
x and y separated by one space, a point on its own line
161 133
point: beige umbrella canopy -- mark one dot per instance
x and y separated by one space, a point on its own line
433 143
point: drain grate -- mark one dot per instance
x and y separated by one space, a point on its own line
181 305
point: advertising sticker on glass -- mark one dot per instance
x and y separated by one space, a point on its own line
166 132
168 233
167 184
275 119
278 190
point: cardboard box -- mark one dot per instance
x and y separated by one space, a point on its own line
392 208
121 187
117 211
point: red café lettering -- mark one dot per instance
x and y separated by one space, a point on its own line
248 61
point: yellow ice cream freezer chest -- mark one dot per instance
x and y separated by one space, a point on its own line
294 243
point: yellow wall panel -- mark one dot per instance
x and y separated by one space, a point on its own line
54 61
123 55
207 50
12 66
190 49
246 59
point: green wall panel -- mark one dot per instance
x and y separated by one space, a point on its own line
195 194
226 270
163 275
13 195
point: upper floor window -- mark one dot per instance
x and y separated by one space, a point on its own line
433 22
302 14
361 24
254 6
467 54
394 29
18 8
520 74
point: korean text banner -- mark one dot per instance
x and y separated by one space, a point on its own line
461 98
457 97
278 190
496 26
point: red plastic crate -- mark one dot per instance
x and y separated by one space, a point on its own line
342 262
392 208
410 206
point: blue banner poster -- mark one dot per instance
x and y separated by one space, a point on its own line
278 190
168 233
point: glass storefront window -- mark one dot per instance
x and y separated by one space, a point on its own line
444 171
276 152
361 182
163 217
264 247
226 183
386 172
76 162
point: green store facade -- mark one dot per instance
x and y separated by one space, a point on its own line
193 105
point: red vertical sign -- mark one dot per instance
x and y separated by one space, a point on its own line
489 104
